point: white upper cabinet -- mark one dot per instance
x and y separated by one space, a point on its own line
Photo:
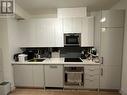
45 32
72 12
48 32
72 25
41 33
87 38
83 25
112 18
27 33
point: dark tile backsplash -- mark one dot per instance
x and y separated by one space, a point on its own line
68 52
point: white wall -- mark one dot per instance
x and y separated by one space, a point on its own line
7 70
13 36
8 46
123 5
1 63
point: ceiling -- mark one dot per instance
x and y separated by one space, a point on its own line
40 6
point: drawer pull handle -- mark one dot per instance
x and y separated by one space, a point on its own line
89 80
102 60
91 75
91 69
53 66
101 71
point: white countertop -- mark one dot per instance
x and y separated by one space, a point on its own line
57 61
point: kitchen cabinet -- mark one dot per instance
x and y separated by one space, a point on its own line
29 75
23 75
88 32
49 32
111 51
46 32
53 75
71 12
91 77
41 33
109 32
85 26
111 46
38 75
112 18
72 25
110 77
27 32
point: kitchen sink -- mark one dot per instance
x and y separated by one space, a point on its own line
36 60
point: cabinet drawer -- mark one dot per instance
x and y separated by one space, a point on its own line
91 70
93 84
91 77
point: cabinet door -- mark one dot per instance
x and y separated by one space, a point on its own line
110 77
67 25
72 12
111 46
49 33
112 18
59 38
72 25
27 32
88 32
38 76
45 33
23 75
53 75
77 25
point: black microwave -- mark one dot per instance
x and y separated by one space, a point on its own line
72 39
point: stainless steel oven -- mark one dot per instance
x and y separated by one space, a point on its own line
72 39
73 76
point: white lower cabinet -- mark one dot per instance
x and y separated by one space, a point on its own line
53 75
29 75
38 75
91 77
23 75
110 77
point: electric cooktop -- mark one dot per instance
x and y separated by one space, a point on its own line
72 60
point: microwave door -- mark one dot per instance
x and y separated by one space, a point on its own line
72 39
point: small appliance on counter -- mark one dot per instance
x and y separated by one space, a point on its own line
84 54
93 51
30 53
22 57
55 53
15 57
